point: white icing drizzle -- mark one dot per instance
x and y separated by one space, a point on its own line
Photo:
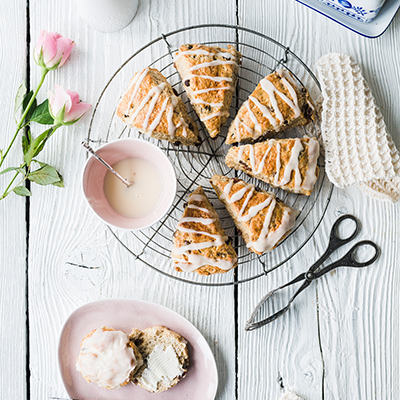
197 197
105 358
310 105
265 112
270 89
257 126
153 93
216 114
137 80
246 201
218 238
212 78
198 208
201 52
158 118
204 221
211 64
268 239
191 52
252 157
285 74
201 91
293 165
253 211
228 187
313 154
195 261
201 101
278 162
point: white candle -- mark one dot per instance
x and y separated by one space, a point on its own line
142 197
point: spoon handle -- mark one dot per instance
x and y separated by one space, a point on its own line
105 163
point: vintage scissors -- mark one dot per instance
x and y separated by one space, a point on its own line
348 260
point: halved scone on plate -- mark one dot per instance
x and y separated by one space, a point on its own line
288 164
108 358
262 219
165 358
200 243
275 105
209 75
150 105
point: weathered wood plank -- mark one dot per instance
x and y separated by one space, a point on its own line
72 235
12 210
358 309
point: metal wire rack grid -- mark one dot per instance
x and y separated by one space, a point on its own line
195 165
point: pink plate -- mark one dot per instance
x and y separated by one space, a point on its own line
200 383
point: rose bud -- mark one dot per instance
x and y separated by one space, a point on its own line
52 50
65 107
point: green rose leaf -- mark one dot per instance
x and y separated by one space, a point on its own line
22 191
46 175
25 102
41 114
19 98
20 170
25 144
36 146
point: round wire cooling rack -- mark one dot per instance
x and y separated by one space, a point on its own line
194 166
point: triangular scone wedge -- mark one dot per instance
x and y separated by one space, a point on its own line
200 244
275 105
165 358
150 105
262 219
209 76
288 164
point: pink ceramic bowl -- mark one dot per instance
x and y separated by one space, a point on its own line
113 152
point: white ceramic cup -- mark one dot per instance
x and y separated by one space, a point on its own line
107 15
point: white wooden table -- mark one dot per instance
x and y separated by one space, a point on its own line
340 340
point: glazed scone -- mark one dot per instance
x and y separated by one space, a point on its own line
200 243
209 75
150 105
262 219
288 164
275 105
165 358
108 358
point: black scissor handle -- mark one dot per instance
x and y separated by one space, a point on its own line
349 260
335 239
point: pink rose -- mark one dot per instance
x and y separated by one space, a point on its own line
52 50
65 107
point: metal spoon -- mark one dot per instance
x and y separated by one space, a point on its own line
106 164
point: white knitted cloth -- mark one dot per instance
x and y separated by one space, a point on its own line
358 147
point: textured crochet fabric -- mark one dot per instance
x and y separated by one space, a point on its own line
358 147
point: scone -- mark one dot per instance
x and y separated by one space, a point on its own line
275 105
289 164
150 105
200 244
108 358
262 219
165 358
209 75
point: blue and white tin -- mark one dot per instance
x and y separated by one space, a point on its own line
360 10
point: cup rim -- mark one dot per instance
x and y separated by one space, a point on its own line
156 148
